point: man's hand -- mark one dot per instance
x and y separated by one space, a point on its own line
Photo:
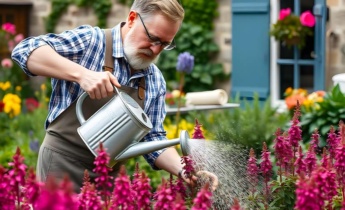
201 177
98 84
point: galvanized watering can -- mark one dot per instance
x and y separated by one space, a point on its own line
120 124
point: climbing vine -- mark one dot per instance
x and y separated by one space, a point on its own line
101 8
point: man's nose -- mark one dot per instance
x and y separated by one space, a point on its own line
156 49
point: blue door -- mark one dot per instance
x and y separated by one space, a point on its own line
250 48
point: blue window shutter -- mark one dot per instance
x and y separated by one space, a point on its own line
250 48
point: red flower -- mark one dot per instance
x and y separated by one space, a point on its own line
2 105
31 104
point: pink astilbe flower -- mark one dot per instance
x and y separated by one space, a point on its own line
17 175
325 179
88 197
283 150
339 164
252 170
325 159
310 160
203 199
315 139
197 131
333 142
180 188
179 203
301 168
308 195
7 198
188 166
68 200
32 188
164 197
123 194
266 168
103 181
143 192
295 131
236 205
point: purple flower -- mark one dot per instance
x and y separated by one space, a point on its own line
34 145
123 194
185 62
203 199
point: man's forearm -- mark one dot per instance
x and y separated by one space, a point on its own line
169 161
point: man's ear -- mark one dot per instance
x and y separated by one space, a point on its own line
131 18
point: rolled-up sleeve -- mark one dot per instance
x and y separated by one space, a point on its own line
70 44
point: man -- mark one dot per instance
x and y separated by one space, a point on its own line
74 60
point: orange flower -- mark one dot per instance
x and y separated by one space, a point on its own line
291 101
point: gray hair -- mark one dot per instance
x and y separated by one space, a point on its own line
171 9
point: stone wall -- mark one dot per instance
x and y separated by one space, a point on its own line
335 40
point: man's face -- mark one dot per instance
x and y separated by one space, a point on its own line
138 47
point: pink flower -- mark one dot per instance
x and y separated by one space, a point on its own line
143 192
164 196
310 160
252 170
315 139
123 195
31 104
6 63
333 142
295 132
283 150
300 165
325 179
266 164
180 188
18 38
203 199
88 198
179 203
188 166
197 131
308 195
9 27
284 13
236 205
32 187
307 19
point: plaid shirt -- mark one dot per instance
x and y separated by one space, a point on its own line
85 45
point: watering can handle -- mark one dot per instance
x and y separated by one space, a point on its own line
79 110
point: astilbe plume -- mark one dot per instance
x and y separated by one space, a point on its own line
252 170
339 164
17 175
7 199
236 205
325 159
295 131
301 168
88 197
180 188
103 180
315 139
143 192
266 164
179 203
308 195
282 150
197 131
164 197
188 166
203 199
32 188
325 180
310 160
332 142
123 194
69 200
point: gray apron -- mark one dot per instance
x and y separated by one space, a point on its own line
63 152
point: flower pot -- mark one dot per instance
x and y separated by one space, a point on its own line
292 41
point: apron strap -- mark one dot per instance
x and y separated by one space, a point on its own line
109 63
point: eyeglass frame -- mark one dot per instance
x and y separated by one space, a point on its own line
154 42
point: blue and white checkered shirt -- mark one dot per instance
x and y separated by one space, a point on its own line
85 45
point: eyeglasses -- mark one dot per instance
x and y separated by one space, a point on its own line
156 41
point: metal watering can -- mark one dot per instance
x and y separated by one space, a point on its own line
120 124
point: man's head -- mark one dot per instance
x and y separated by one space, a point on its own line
150 28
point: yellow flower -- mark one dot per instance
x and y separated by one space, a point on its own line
288 91
43 87
12 104
5 85
18 88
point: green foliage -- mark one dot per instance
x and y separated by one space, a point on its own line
200 12
199 42
283 193
329 113
101 8
290 30
251 125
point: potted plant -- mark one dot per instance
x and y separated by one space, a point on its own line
291 29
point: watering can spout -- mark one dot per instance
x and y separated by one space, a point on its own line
142 148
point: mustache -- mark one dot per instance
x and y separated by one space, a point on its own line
147 52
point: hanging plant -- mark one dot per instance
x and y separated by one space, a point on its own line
100 7
291 29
